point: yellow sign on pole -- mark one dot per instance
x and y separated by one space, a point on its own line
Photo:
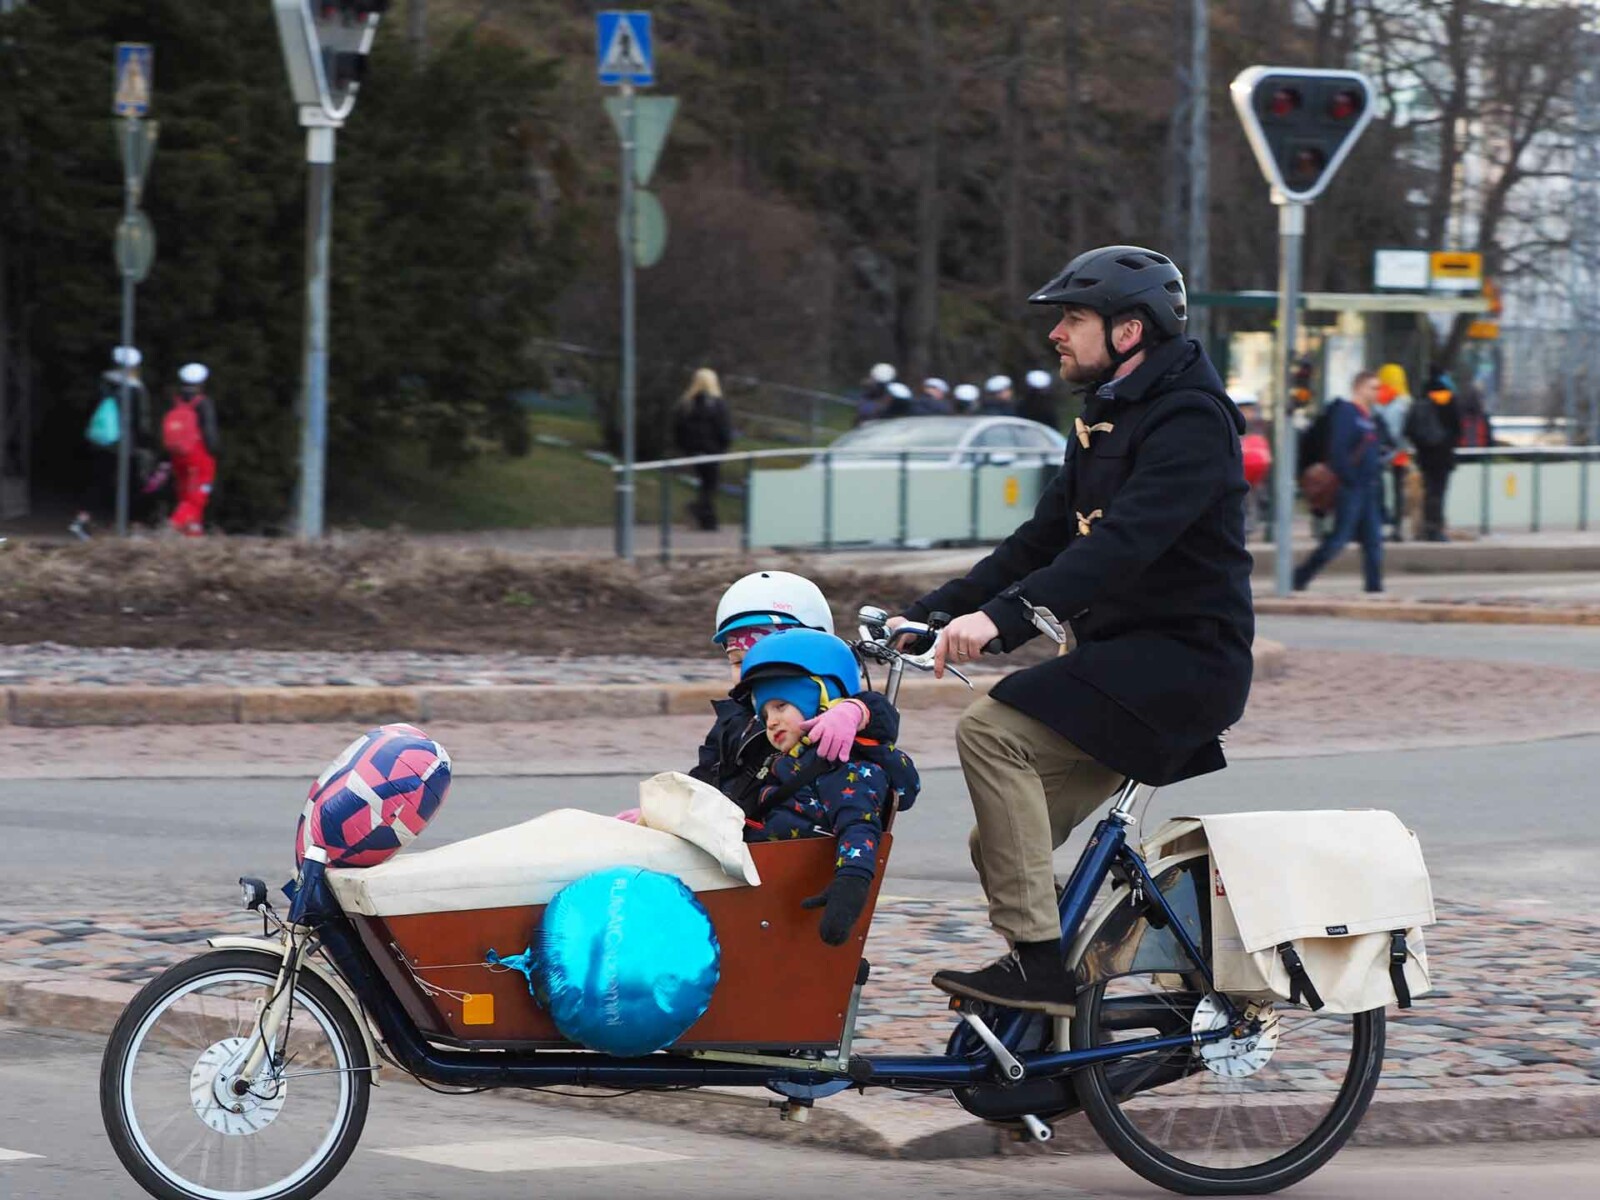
1013 491
1456 270
1483 331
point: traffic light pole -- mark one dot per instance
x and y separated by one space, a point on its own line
314 394
1291 236
625 237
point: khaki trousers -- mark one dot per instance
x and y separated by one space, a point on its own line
1029 787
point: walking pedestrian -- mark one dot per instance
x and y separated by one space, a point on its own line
1038 401
1355 456
103 437
701 425
1434 427
1476 431
899 403
966 395
189 434
1394 406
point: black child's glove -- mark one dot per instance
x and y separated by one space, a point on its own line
844 899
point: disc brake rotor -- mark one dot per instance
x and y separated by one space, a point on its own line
211 1090
1237 1055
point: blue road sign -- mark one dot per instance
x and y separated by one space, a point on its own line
626 52
135 75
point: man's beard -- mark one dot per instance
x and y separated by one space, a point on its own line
1075 372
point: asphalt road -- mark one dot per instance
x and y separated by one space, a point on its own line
492 1147
1506 823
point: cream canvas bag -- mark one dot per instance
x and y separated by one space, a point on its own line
676 803
1324 908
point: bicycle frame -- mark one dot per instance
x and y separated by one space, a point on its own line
992 1062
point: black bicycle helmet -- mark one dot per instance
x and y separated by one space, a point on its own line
1118 280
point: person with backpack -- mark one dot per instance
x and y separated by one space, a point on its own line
103 437
1354 458
189 436
1433 426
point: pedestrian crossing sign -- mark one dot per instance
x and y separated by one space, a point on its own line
625 48
130 97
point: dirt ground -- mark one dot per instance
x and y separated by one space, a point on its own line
373 593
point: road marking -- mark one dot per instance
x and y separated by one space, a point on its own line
533 1154
15 1155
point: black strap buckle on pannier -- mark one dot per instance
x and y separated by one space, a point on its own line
1300 985
1397 967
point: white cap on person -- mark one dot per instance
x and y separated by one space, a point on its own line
193 373
899 391
934 384
1039 379
997 383
967 393
1246 400
126 356
882 372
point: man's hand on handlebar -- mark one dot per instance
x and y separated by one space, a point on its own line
961 641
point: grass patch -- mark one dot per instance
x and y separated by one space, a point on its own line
553 486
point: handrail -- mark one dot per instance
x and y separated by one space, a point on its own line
889 456
1575 453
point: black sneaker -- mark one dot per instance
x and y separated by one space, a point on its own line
1030 977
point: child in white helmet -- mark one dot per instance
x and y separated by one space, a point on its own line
736 749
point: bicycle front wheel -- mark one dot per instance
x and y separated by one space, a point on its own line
176 1121
1242 1116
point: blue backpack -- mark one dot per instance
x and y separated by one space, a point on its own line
105 426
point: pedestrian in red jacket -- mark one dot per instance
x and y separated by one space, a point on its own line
189 434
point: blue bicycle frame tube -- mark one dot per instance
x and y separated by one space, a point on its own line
1105 844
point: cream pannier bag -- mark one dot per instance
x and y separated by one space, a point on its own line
1324 908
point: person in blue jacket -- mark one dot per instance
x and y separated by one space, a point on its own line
1355 455
789 679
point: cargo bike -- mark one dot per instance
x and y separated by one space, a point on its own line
245 1073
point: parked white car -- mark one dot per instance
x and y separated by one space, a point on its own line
950 442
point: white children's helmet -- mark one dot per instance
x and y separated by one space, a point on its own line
193 373
882 373
772 598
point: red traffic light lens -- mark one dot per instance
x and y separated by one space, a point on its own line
1345 104
1284 101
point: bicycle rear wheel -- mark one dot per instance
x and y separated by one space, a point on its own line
1242 1116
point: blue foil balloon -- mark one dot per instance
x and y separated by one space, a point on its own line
627 960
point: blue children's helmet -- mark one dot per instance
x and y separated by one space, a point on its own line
806 667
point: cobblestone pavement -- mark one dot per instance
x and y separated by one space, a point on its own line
1326 701
1516 1000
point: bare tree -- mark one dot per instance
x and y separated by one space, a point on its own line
925 300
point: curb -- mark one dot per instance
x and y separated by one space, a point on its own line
55 707
1426 612
886 1125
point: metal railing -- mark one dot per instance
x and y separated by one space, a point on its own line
1545 504
824 458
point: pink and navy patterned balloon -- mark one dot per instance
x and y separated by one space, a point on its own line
375 797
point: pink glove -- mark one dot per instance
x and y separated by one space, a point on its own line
833 731
630 815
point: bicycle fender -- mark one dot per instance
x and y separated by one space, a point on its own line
1102 912
340 989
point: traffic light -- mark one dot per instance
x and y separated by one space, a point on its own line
325 46
1301 123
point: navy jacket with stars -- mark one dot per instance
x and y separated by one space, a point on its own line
846 802
735 752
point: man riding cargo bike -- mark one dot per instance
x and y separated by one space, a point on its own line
1222 1039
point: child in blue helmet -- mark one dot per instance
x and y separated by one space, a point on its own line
734 754
789 679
